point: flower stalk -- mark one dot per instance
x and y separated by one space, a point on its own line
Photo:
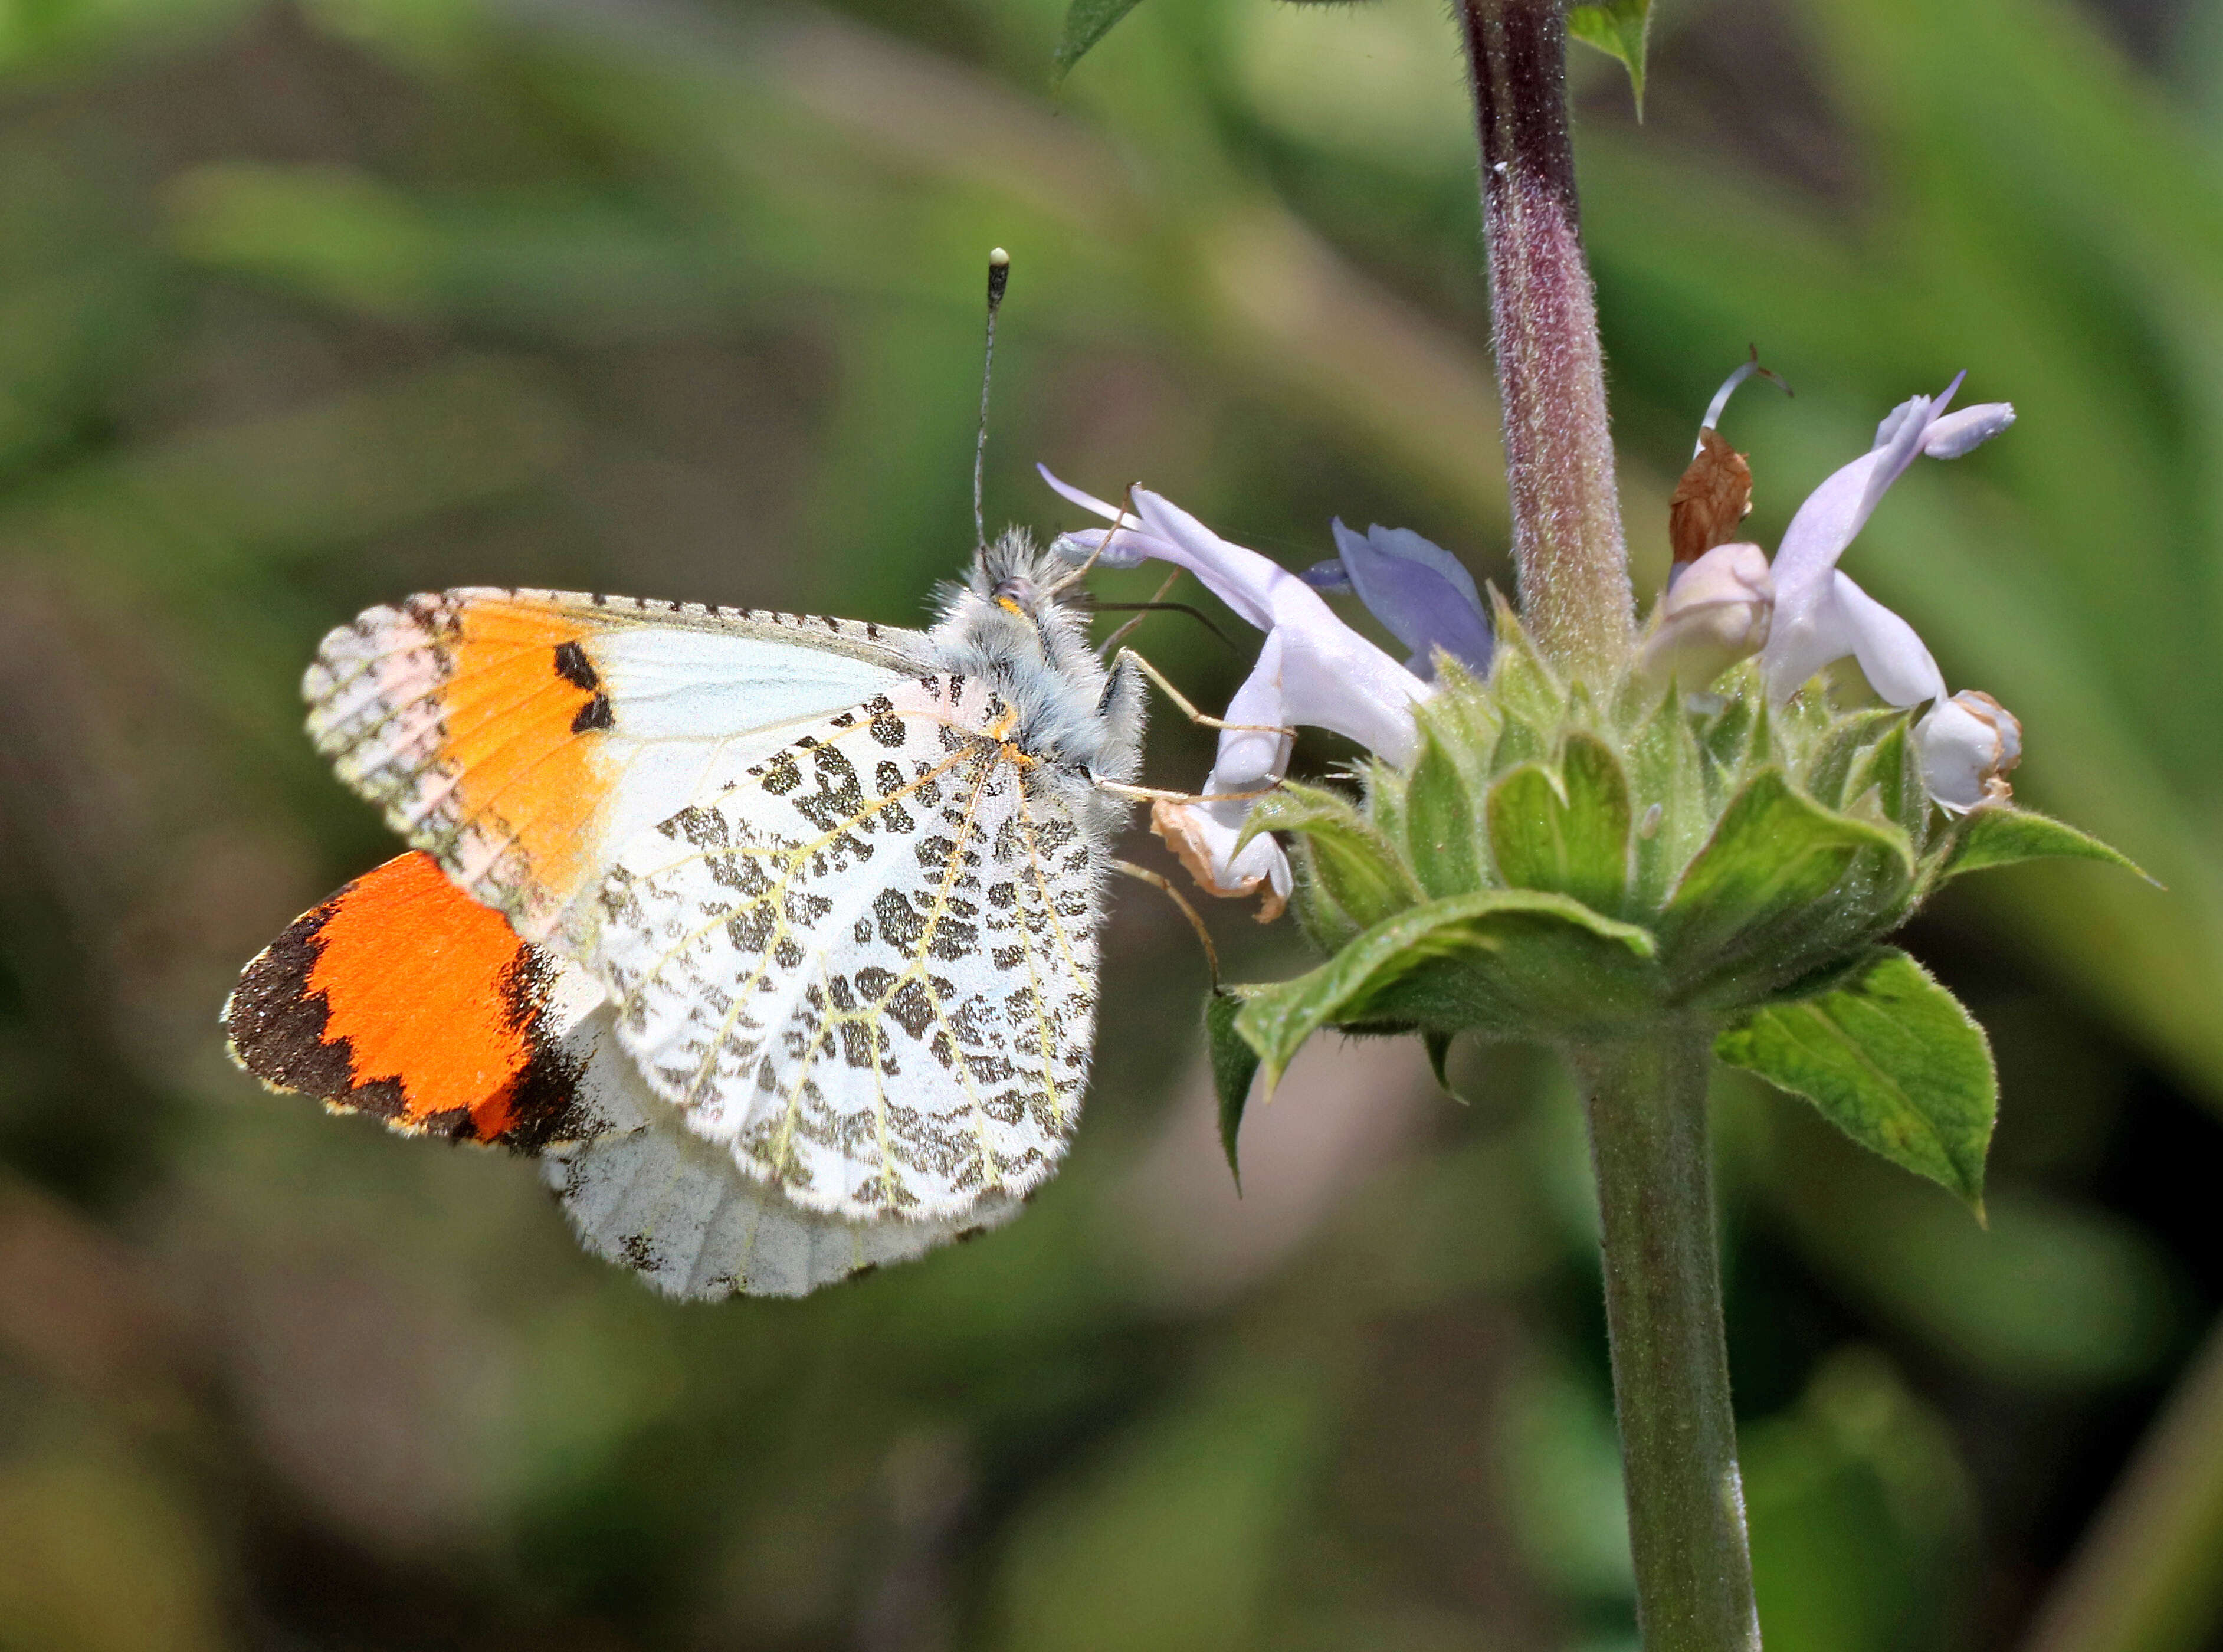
1567 544
1647 1101
1646 1094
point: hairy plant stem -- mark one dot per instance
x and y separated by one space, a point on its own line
1647 1099
1567 545
1647 1096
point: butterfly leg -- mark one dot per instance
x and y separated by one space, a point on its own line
1189 710
1122 633
1159 794
1126 669
1157 880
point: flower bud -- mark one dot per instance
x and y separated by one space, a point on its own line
1716 613
1957 434
1968 745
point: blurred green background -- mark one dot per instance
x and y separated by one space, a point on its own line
305 306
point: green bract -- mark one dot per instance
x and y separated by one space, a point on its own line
1088 22
1618 29
1575 868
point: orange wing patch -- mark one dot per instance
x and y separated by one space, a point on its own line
404 998
477 720
519 695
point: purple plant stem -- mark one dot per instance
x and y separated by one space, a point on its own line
1567 544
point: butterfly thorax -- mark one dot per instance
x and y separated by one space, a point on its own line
1011 625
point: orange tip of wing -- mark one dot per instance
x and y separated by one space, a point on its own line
404 998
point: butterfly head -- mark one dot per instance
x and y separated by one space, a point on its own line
1030 584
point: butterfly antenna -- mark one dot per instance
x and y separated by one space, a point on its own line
1000 277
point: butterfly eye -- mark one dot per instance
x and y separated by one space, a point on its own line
1016 593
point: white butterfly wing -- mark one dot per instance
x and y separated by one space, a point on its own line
869 969
677 1211
401 999
521 737
645 1192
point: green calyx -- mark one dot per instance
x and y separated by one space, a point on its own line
1579 868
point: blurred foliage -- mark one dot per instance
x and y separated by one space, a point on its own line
303 306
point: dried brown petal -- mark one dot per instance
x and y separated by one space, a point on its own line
1177 824
1714 495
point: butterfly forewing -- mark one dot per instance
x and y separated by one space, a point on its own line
522 736
869 968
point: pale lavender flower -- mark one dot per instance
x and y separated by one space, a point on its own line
1718 612
1313 670
1416 588
1968 745
1820 616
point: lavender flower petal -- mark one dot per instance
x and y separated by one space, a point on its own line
1421 591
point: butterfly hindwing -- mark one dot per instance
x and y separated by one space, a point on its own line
521 736
677 1210
402 998
869 969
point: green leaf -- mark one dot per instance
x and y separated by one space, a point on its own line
1617 28
1234 1065
1999 834
1782 886
1439 1046
1325 924
1439 823
1892 1060
1888 769
1460 714
1635 699
1518 742
1730 735
1568 836
1507 963
1088 22
1805 719
1761 745
1355 865
1384 804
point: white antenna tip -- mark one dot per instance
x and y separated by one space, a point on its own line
998 258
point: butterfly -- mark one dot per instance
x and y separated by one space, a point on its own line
773 936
